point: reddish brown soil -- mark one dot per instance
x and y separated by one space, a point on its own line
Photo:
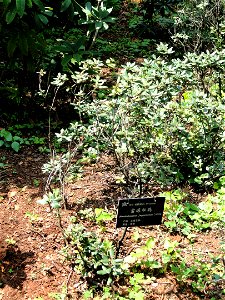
31 265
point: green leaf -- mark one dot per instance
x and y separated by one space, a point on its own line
8 136
150 243
49 13
109 281
43 19
78 44
38 21
10 16
6 2
136 295
29 3
216 185
20 5
171 224
39 4
98 25
166 258
175 269
138 277
55 204
140 252
11 46
104 272
88 6
1 143
15 146
88 294
66 60
17 138
65 5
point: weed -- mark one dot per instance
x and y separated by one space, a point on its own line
10 241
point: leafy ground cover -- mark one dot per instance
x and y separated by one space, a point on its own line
32 262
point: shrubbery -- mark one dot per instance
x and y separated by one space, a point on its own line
163 120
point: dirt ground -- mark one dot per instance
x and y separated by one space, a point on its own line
31 266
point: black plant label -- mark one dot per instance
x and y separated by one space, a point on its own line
140 212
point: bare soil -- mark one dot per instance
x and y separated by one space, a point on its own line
31 265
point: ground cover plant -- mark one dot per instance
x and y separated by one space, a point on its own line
141 118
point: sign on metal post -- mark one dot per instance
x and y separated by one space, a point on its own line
140 212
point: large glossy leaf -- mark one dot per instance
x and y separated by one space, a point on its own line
43 19
48 13
88 6
39 4
29 3
8 136
20 6
10 16
15 146
65 5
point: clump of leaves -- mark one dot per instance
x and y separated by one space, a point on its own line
91 256
204 275
9 141
188 218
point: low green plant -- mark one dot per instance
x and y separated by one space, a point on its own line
136 290
53 199
36 182
19 135
9 141
87 213
102 216
142 257
188 218
203 275
92 257
10 241
98 215
32 217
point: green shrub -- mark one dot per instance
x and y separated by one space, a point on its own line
163 120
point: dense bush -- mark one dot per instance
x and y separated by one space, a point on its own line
163 120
